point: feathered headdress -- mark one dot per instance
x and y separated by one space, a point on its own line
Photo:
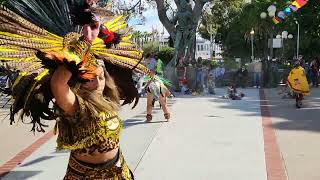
37 35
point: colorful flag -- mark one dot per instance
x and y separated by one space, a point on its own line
293 7
301 2
275 20
287 11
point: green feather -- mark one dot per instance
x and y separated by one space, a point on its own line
160 67
159 78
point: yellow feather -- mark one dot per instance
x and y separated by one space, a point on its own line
117 24
52 49
8 59
119 57
34 65
41 75
56 36
125 43
11 35
109 23
97 41
127 38
5 49
100 50
54 42
29 58
114 29
21 74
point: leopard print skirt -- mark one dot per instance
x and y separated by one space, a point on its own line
115 169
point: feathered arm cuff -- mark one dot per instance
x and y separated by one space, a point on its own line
76 56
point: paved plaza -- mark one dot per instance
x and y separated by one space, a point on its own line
207 138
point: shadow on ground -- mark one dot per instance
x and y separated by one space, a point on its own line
141 118
20 175
305 119
43 158
283 112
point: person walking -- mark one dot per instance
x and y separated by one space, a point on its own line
157 90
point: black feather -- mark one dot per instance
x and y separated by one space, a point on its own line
52 15
123 79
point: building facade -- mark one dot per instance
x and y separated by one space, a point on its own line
203 50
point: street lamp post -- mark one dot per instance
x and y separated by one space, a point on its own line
211 31
284 35
271 12
298 38
290 36
252 34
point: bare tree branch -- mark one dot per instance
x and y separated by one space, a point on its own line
197 10
132 8
177 3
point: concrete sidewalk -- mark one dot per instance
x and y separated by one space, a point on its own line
207 138
298 133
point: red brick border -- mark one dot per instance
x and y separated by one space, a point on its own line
274 162
16 160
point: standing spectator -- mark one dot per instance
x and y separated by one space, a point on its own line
151 62
314 73
223 70
307 69
318 62
257 69
243 76
219 73
211 79
204 79
199 75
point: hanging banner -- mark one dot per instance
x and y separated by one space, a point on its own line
293 7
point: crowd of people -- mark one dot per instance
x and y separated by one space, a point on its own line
207 76
313 72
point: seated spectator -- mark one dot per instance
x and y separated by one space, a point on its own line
232 93
184 87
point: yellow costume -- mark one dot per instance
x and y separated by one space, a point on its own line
297 81
85 134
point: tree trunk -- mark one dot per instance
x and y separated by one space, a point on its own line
170 27
162 13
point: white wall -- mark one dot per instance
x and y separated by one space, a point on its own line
203 49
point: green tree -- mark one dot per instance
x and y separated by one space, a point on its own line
238 20
151 48
166 54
